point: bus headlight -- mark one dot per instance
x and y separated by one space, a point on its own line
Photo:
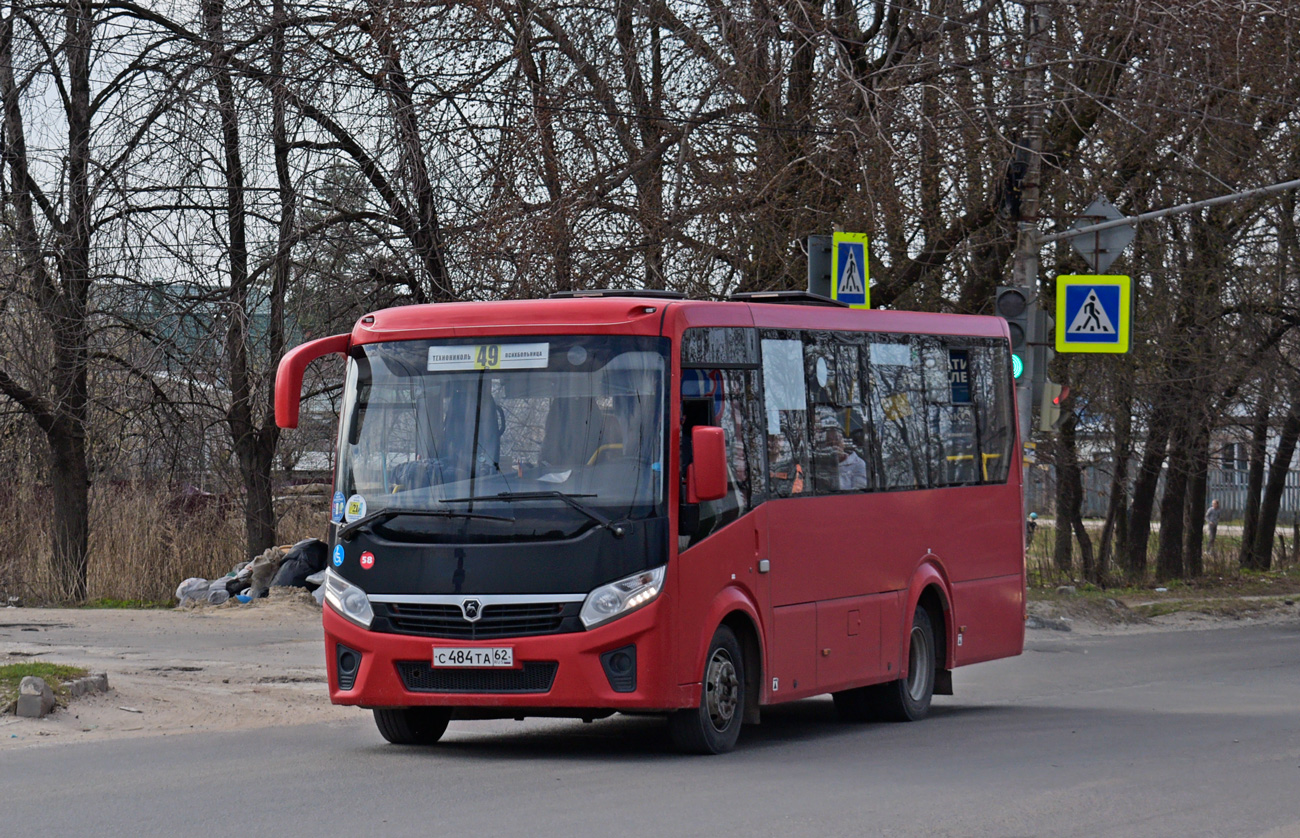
609 602
349 600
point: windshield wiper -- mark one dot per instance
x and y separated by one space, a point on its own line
572 500
384 514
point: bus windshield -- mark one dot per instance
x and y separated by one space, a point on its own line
428 423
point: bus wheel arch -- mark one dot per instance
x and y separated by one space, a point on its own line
713 725
934 602
746 631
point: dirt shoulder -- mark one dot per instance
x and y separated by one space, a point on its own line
1183 608
175 671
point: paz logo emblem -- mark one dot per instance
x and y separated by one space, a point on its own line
472 609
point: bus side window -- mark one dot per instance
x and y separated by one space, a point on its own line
993 421
785 423
727 399
953 455
897 400
838 430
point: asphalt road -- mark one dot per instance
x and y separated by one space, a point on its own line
1183 733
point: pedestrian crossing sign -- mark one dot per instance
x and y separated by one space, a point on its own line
850 278
1092 313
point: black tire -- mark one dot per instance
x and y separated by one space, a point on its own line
714 726
908 699
412 725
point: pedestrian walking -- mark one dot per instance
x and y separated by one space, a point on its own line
1212 518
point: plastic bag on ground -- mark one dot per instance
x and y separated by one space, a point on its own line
304 559
292 574
193 589
263 570
217 592
313 551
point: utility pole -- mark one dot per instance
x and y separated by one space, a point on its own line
1024 271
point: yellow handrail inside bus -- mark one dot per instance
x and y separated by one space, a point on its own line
609 446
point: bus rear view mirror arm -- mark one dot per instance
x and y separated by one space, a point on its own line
288 378
707 478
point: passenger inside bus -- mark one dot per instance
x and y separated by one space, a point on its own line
578 433
785 472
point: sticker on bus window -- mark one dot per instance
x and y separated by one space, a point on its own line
337 507
489 356
891 354
356 508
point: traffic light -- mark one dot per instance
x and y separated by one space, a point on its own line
1049 409
819 265
1012 305
1041 341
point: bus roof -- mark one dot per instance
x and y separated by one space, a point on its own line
648 316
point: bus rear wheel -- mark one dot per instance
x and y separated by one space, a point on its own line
714 726
905 700
412 725
908 699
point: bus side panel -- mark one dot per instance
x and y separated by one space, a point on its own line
990 612
852 545
793 665
727 558
980 531
891 634
830 547
848 641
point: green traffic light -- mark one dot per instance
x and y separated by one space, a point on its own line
1017 366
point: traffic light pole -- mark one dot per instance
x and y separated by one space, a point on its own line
1024 270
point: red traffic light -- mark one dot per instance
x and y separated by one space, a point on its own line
1062 396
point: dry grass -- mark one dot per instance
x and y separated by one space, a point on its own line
141 544
1220 563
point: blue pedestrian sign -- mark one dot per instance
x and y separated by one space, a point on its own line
1092 314
850 276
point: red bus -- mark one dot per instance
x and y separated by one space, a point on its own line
633 502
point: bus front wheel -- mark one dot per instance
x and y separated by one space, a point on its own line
714 726
412 725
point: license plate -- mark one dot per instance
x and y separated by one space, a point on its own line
477 657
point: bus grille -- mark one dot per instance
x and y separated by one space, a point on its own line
534 677
500 620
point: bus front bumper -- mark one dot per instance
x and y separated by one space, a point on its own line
395 670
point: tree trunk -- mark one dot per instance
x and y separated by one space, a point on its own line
1069 509
70 481
1262 558
1255 479
64 304
1117 502
427 237
549 155
1194 554
253 459
1169 554
1063 548
1144 495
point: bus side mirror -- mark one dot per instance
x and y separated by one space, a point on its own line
707 479
288 378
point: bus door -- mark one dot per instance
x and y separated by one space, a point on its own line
721 542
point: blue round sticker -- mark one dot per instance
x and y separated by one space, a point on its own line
336 509
338 555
